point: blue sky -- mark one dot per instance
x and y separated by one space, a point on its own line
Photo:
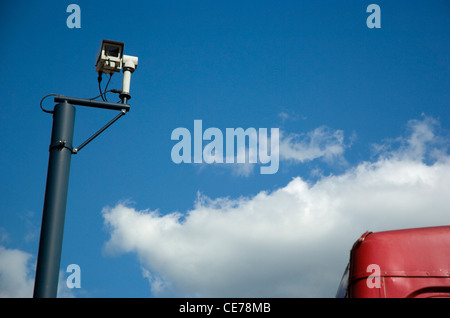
364 127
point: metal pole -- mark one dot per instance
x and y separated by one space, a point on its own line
52 228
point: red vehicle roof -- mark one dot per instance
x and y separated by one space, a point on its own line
401 263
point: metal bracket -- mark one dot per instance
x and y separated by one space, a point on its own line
122 107
77 149
61 144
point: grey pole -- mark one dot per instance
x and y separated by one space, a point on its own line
52 228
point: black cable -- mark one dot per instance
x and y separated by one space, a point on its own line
103 94
40 104
107 84
99 80
116 91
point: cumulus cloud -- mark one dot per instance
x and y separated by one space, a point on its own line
322 142
426 142
16 274
17 271
294 241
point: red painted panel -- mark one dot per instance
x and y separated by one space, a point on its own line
403 263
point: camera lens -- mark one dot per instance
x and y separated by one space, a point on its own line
111 50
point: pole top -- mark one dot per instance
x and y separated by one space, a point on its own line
91 103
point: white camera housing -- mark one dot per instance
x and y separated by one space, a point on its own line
109 57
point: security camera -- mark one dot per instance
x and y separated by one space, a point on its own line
109 57
129 65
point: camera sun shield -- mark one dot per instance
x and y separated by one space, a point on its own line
109 57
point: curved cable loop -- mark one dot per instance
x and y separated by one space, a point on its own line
116 91
40 104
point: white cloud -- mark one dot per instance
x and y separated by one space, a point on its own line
15 273
292 242
284 116
422 144
322 142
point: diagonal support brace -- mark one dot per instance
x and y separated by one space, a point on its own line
77 149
